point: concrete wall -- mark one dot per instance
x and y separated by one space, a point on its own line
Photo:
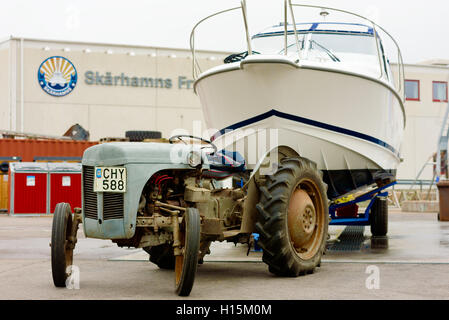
110 110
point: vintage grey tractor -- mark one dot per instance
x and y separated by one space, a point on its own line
174 199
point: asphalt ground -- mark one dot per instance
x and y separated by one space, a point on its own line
412 263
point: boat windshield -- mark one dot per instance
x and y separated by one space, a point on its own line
343 43
321 46
274 44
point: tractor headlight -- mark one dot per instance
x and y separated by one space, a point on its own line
194 159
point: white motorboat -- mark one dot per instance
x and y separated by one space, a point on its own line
327 90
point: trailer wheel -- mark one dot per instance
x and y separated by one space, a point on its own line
61 244
186 263
293 218
379 217
162 255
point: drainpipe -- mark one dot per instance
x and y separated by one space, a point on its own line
21 87
12 84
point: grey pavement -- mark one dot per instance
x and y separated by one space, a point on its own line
413 263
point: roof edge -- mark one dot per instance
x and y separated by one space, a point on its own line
105 44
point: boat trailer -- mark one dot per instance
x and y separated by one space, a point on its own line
361 219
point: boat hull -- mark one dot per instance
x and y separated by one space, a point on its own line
350 125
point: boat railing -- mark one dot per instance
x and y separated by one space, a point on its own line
288 6
196 70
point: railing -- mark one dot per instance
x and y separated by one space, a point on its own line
13 134
196 70
442 146
414 182
288 6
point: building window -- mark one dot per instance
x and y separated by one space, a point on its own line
439 89
412 90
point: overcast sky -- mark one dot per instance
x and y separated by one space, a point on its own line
420 27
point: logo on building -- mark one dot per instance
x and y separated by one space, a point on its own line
57 76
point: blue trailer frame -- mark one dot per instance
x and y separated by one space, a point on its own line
361 220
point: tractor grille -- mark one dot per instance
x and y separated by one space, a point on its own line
112 206
89 196
112 202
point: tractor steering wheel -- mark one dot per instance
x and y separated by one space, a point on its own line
179 136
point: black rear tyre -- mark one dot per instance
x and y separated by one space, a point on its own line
293 218
187 263
136 135
379 217
61 249
162 256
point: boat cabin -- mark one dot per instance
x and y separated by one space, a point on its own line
348 46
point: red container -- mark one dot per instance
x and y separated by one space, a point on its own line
28 149
29 188
65 184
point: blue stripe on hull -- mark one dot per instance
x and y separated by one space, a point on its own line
310 122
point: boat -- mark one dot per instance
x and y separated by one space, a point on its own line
326 88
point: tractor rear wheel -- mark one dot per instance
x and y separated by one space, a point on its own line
140 135
293 218
162 255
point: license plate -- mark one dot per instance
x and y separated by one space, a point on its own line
110 179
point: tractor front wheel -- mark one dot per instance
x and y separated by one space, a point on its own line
62 244
186 263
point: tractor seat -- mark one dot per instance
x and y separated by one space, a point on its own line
224 163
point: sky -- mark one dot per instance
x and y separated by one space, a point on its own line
420 27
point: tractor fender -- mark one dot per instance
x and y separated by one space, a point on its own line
266 165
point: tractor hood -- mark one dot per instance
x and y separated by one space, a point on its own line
121 153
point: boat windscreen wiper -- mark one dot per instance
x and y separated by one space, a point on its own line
331 55
238 56
301 47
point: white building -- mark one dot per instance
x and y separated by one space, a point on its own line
426 102
117 88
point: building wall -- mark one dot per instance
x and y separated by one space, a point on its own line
108 110
4 86
423 124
